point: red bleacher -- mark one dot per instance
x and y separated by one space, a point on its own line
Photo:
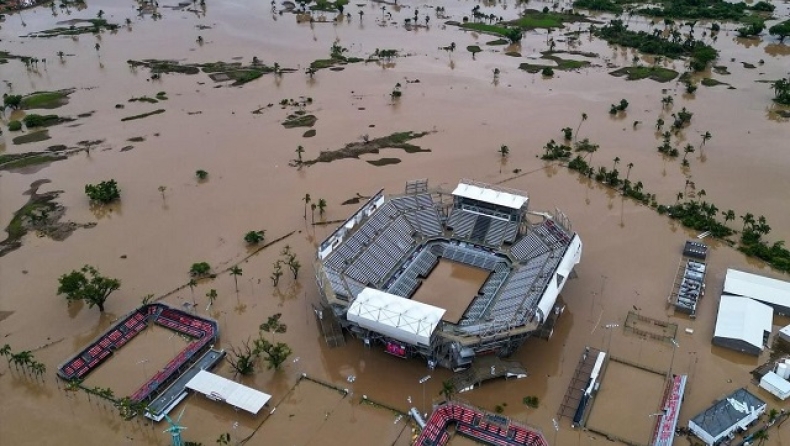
122 332
469 422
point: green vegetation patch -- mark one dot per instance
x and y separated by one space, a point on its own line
46 99
711 82
534 19
144 99
497 42
93 26
398 140
5 56
329 6
384 161
562 64
309 134
617 32
164 66
143 115
658 74
20 160
474 49
41 135
299 121
599 5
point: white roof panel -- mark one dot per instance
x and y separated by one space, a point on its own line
744 319
395 316
771 291
489 195
218 388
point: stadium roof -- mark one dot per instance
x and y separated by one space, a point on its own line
489 195
771 291
394 316
743 319
222 389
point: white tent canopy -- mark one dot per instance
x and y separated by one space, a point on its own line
571 258
218 388
489 195
771 291
776 385
399 318
743 319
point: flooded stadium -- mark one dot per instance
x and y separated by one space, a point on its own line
168 219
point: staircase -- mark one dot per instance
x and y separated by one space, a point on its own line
481 228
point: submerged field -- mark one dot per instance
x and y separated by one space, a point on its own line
228 90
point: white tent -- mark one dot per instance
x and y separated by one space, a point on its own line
776 385
742 323
397 317
222 389
489 195
770 291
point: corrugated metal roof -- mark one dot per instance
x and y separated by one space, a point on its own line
764 289
744 319
222 389
490 195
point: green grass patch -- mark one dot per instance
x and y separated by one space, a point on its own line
399 140
299 121
143 115
384 161
534 19
486 28
18 161
136 139
41 135
95 26
144 99
658 74
309 134
497 42
46 99
711 82
562 64
474 49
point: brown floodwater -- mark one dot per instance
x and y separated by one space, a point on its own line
452 286
150 239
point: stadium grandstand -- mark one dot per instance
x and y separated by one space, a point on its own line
202 332
447 276
487 428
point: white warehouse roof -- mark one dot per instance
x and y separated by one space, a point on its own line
489 195
775 385
222 389
395 316
771 291
743 319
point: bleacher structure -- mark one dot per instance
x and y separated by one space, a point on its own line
370 267
203 333
487 428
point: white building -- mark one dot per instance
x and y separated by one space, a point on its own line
734 412
773 292
775 385
742 324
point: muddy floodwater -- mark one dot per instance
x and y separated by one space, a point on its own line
168 219
453 286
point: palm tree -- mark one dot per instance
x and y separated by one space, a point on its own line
321 206
705 137
299 152
448 389
748 219
6 351
584 118
212 296
686 150
679 197
504 150
616 162
306 200
729 215
659 124
295 266
313 206
162 189
762 225
235 271
192 284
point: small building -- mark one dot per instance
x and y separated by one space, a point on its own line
784 333
775 385
726 416
742 324
773 292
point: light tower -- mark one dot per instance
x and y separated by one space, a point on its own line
175 429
